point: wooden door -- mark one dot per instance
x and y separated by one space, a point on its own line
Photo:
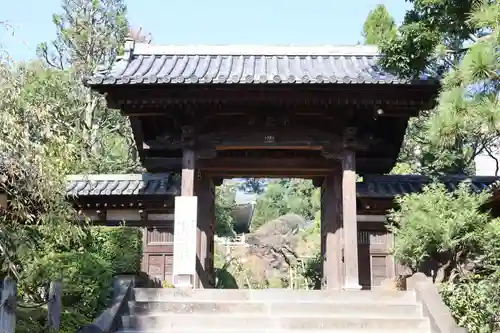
374 257
158 252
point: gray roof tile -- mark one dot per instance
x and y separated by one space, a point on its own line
127 184
149 64
386 186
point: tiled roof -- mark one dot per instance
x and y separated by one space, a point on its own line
386 186
150 64
126 184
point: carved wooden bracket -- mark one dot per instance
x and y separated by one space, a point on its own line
318 181
217 181
188 135
349 138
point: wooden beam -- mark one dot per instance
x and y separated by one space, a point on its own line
162 163
267 164
349 94
282 147
253 167
187 177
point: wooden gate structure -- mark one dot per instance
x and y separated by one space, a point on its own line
209 113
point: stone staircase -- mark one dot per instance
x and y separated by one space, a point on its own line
273 311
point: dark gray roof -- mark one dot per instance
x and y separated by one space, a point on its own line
125 184
150 64
386 186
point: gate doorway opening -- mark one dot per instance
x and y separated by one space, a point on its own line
274 237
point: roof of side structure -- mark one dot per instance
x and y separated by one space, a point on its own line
383 187
389 186
121 184
246 64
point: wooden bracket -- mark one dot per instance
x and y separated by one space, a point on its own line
217 181
349 137
318 181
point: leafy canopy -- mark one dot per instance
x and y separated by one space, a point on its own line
457 40
379 26
436 222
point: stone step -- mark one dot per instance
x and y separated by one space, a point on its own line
302 308
204 330
262 322
285 295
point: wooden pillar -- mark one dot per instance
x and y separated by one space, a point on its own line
205 202
211 234
351 281
331 231
186 241
187 176
322 235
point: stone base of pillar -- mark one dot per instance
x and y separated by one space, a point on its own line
184 281
351 286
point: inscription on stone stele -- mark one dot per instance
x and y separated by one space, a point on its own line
186 211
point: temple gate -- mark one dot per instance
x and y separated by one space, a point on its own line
321 113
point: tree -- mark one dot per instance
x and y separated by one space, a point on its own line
457 39
468 113
379 26
286 196
452 236
90 33
42 137
438 225
253 185
224 206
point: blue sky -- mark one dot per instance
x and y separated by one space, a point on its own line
269 22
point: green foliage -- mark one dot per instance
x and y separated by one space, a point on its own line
457 40
379 26
103 22
453 229
121 247
473 301
468 112
51 126
431 36
313 271
224 205
436 223
253 185
86 280
402 168
286 196
90 33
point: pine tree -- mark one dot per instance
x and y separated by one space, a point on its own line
468 112
457 40
90 34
